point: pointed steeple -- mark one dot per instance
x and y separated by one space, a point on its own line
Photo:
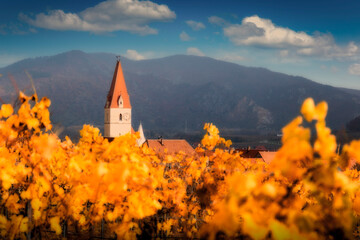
142 138
118 95
117 111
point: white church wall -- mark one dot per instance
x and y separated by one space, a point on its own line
114 126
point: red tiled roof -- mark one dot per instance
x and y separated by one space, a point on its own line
117 89
172 145
268 156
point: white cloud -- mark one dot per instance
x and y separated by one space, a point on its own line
184 36
107 16
194 51
354 69
326 47
134 55
196 26
217 21
256 31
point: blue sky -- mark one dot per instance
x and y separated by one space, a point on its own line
319 40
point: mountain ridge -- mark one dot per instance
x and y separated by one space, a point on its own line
176 92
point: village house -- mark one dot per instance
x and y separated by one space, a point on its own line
259 152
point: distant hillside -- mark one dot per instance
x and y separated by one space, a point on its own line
351 91
354 125
176 92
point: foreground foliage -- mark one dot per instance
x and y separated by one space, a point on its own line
307 192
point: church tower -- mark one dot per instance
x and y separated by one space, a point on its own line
117 108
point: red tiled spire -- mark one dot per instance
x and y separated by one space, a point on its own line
117 89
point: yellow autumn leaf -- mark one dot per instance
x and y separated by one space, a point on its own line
6 110
36 205
254 230
102 169
3 222
217 192
55 225
7 180
281 232
24 224
308 109
321 111
83 220
32 123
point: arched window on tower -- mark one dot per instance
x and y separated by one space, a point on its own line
120 117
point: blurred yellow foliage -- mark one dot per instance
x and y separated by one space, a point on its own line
302 194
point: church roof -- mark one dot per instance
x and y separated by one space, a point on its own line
117 89
172 146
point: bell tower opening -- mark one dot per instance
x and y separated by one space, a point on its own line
120 102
